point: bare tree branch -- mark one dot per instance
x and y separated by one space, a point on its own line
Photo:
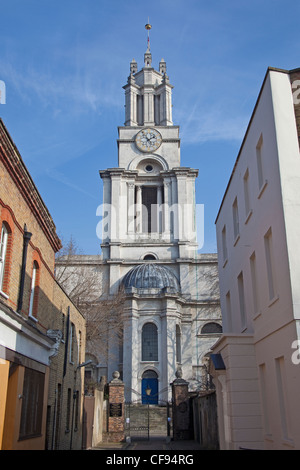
103 312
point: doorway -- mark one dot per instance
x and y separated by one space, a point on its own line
149 388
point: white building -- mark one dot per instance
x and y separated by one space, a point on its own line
257 371
149 246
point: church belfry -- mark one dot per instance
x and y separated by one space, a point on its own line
148 94
149 198
149 237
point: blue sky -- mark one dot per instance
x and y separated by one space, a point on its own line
64 64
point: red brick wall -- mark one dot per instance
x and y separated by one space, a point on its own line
20 204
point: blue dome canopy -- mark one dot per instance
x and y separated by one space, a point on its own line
151 276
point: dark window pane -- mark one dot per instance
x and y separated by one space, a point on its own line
149 343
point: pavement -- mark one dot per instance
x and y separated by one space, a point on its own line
152 444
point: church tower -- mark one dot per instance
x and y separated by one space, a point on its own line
149 200
149 240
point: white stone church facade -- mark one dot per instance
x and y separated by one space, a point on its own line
149 246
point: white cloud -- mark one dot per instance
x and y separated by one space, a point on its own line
62 178
218 122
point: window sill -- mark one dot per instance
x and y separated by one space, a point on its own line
4 295
248 216
262 189
31 317
29 436
256 315
236 239
272 301
288 442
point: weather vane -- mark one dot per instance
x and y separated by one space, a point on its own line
148 27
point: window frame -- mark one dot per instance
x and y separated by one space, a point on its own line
153 346
236 221
33 298
4 243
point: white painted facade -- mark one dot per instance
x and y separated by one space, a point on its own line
179 316
258 234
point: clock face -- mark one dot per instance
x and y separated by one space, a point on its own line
148 140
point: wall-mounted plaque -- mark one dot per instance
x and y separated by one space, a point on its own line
115 410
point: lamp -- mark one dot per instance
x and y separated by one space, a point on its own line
148 391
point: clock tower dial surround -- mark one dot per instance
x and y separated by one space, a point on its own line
148 140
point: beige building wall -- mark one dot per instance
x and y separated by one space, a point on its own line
258 244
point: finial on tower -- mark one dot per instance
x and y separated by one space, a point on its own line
148 27
147 55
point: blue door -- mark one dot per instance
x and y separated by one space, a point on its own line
150 391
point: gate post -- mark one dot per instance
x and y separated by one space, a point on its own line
116 411
181 408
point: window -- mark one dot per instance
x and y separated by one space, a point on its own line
149 168
178 344
149 209
157 109
259 161
3 253
265 402
235 214
228 312
242 300
58 416
149 257
211 328
33 302
76 420
140 109
246 195
224 245
68 414
72 334
79 347
32 404
270 264
253 270
149 342
282 396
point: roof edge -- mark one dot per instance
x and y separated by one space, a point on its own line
269 69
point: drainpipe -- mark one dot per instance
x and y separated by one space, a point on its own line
26 238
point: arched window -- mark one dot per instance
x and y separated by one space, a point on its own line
149 342
5 239
149 257
178 344
211 328
34 290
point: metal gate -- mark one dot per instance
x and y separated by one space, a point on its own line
146 421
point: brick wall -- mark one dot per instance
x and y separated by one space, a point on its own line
116 412
53 311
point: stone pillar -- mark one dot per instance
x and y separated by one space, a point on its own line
159 206
139 217
130 208
116 411
166 208
181 409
